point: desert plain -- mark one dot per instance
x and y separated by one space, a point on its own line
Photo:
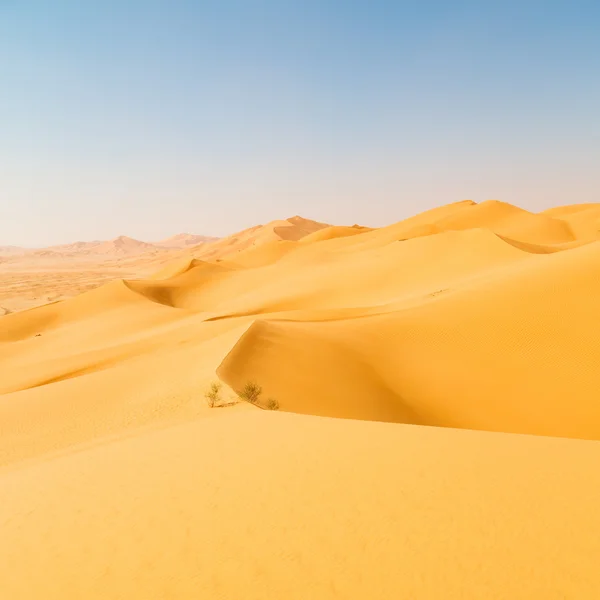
437 384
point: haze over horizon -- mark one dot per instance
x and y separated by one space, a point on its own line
147 119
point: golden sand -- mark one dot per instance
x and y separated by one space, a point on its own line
405 361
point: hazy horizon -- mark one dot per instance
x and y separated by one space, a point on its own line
92 241
157 118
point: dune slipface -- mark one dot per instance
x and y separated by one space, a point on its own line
404 361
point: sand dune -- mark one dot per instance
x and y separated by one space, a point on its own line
292 229
511 221
404 360
503 357
584 223
176 267
185 240
333 232
569 209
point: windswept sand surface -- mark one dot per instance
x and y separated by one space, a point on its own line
431 343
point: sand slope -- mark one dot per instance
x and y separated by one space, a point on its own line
118 481
503 355
279 506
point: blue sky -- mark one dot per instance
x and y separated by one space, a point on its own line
149 118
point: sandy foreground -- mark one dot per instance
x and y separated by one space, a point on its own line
437 434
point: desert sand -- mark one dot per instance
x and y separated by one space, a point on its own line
32 277
438 423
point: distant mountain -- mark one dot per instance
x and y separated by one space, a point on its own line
74 248
120 246
123 245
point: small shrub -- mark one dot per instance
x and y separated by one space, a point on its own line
213 396
272 404
251 392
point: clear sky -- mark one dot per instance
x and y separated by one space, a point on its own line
153 117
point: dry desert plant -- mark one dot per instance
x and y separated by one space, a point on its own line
213 395
250 392
272 404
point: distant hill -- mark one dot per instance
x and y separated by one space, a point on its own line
72 248
123 245
120 246
13 250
